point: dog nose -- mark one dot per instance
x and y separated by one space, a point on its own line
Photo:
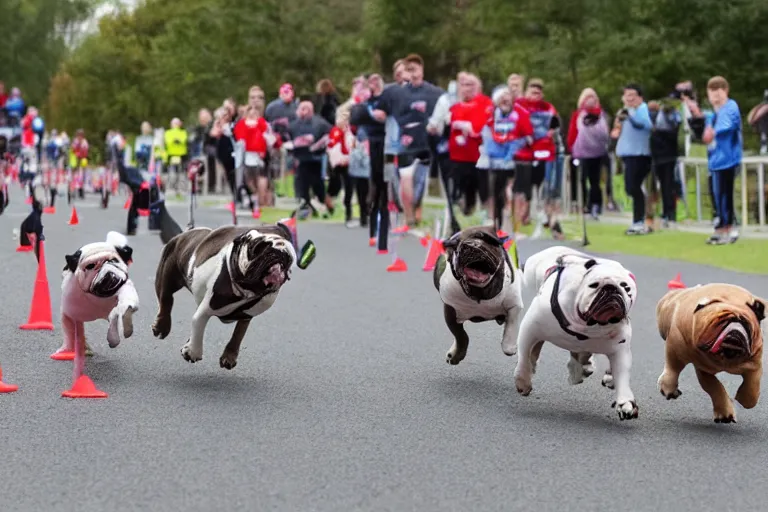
610 288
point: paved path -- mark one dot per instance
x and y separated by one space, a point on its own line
342 401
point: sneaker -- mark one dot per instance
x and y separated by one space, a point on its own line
718 239
352 223
638 228
537 232
595 212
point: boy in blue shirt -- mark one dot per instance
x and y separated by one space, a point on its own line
724 151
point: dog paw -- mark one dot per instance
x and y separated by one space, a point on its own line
728 417
228 360
454 356
191 355
670 395
128 321
523 385
509 349
162 327
607 381
589 368
627 410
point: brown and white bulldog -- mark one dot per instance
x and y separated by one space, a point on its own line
234 273
715 327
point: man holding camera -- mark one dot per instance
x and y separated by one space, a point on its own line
632 128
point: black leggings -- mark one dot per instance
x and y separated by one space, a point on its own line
378 194
665 173
500 181
636 169
590 172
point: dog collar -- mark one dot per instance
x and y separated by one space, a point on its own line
555 304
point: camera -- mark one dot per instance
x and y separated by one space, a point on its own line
622 114
688 92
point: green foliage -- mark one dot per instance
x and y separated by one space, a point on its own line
34 40
171 57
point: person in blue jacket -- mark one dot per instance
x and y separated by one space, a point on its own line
15 108
724 141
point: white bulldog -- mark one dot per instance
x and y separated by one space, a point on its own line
581 304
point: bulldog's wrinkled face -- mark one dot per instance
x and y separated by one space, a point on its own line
476 255
262 261
99 269
728 327
606 293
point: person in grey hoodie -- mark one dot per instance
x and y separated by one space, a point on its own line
632 128
411 107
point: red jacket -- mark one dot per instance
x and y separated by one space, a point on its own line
465 147
540 114
27 135
252 132
336 136
80 148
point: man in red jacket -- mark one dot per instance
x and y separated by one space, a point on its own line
534 160
467 120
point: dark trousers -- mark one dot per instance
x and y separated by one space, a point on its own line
309 178
500 180
665 173
378 196
211 165
591 169
636 169
722 185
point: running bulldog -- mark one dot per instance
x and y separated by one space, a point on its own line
581 304
715 327
478 282
96 286
234 273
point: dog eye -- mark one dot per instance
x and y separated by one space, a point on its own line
90 266
594 285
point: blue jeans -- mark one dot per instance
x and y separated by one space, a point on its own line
722 188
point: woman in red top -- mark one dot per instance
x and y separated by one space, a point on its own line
257 137
468 117
341 140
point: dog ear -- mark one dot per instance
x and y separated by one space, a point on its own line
72 261
590 263
452 243
491 238
758 306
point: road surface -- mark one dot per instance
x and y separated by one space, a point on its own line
342 401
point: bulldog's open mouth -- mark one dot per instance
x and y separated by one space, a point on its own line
732 342
107 285
608 307
275 276
478 272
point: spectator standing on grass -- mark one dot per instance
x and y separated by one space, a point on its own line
723 138
588 139
666 120
632 128
309 136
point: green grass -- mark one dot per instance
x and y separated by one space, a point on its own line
747 255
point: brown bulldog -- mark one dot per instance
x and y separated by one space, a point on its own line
716 327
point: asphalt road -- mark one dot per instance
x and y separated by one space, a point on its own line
342 401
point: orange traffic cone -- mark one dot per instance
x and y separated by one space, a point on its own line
6 388
84 388
435 250
127 204
424 241
49 210
73 219
63 356
676 283
257 213
40 314
397 266
27 248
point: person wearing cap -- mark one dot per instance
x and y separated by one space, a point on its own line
176 148
632 129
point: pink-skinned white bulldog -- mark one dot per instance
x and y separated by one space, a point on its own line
96 286
581 304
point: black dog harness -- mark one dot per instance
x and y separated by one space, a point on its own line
555 304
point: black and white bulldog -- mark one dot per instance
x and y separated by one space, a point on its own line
477 283
96 286
234 273
581 304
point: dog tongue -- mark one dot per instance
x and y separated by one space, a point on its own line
275 276
475 275
604 314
